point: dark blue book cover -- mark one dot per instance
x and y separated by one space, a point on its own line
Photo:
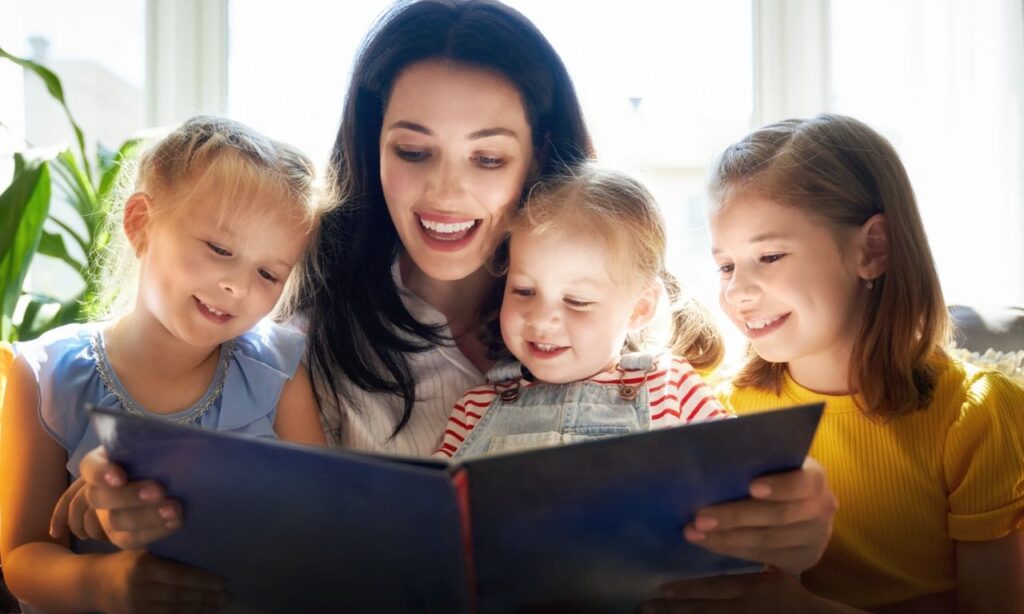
588 527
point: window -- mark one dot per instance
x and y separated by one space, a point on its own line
944 81
99 52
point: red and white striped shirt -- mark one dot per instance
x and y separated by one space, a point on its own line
675 391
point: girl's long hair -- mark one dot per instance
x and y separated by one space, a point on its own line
840 170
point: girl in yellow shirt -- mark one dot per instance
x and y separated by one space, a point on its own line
825 267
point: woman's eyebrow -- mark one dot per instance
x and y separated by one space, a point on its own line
407 125
486 132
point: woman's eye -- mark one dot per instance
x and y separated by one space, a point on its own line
412 155
485 161
220 251
267 275
770 258
725 269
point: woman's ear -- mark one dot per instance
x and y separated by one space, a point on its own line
136 220
873 243
644 308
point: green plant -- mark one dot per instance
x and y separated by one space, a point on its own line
40 175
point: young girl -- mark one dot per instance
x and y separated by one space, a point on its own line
825 267
219 219
586 269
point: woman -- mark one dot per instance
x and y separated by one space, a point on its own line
453 109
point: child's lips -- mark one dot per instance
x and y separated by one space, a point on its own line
761 326
211 312
545 350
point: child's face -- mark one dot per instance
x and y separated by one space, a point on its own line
787 283
562 315
211 270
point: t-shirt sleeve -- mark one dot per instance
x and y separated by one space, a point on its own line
984 461
465 415
682 397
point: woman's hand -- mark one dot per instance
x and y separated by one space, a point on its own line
786 523
771 591
130 514
135 581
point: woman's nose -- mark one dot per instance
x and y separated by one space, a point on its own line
445 184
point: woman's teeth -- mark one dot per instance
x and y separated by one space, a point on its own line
445 228
448 230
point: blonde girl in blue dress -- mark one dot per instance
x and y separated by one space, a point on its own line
219 219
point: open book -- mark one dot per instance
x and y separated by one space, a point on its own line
590 526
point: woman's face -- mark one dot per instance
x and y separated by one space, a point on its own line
455 150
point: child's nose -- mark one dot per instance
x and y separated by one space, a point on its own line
236 284
543 318
742 288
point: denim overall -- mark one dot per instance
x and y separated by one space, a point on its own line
551 414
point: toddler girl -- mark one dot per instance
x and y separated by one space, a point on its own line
586 269
825 267
218 221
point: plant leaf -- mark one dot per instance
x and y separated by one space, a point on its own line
56 90
52 244
24 206
112 170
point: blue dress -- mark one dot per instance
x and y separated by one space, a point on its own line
72 369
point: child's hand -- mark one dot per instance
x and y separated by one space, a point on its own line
132 514
136 581
786 524
73 512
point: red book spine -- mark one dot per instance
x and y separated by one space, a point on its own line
461 482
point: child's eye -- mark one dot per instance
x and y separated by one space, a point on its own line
485 161
726 269
576 303
770 258
411 155
220 251
267 275
522 291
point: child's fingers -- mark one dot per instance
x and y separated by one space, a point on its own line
96 469
92 528
146 493
804 483
79 513
150 517
131 540
59 518
794 497
791 550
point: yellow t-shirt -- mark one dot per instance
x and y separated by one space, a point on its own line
909 488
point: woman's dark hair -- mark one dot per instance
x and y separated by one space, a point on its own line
358 326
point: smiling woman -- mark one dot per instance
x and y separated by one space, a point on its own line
455 152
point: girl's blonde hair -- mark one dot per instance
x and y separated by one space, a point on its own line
619 211
207 155
843 172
